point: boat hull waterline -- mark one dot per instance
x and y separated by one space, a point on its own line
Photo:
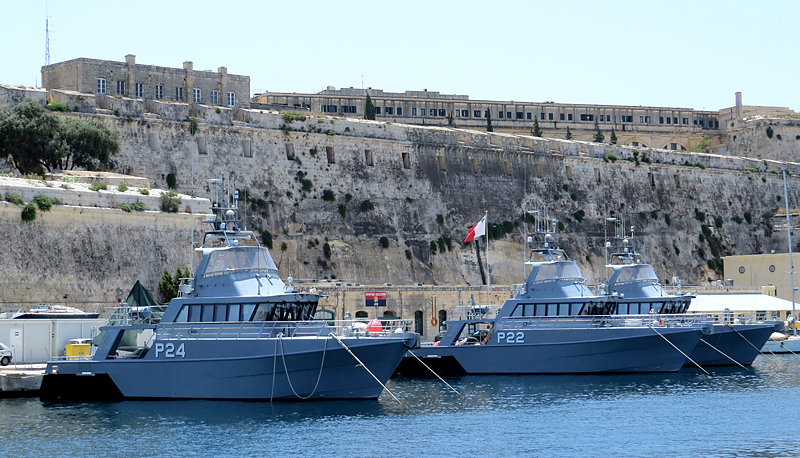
301 368
563 351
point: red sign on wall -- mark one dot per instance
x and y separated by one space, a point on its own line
375 299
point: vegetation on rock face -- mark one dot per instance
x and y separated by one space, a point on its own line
328 196
568 135
192 124
35 140
138 206
168 284
97 186
536 131
15 199
172 181
44 203
613 138
126 208
29 212
703 145
367 206
384 242
598 136
266 239
170 202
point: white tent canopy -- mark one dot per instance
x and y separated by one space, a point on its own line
739 303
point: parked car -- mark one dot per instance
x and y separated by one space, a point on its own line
5 355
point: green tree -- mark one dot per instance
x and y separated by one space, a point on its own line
168 284
489 121
536 131
34 140
703 145
568 135
598 136
369 109
613 137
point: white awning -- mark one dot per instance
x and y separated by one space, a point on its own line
713 303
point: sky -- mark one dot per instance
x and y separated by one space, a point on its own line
689 54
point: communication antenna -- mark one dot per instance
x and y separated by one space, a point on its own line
46 36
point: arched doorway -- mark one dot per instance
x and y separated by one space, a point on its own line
442 319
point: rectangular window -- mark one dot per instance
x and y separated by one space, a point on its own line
159 91
674 120
587 117
520 115
458 113
196 96
485 113
231 99
441 112
214 97
368 157
661 120
686 120
669 120
139 90
641 118
399 111
389 110
716 124
476 113
330 155
178 93
413 112
549 116
561 116
541 116
121 87
422 112
608 118
634 143
569 117
508 114
695 122
377 110
101 85
406 161
647 119
464 113
701 123
500 113
673 146
627 119
529 115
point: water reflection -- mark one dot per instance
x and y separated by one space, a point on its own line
731 412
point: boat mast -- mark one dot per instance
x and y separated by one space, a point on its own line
791 260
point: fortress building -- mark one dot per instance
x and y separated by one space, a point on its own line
129 79
641 126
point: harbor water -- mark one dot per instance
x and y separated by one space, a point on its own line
732 412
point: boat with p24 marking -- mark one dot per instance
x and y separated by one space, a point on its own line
236 331
555 325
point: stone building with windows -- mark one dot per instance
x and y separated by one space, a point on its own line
670 128
129 79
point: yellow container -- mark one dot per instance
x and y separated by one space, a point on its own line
79 351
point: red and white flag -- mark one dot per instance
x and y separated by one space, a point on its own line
477 230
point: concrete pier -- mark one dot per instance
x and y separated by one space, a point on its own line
22 380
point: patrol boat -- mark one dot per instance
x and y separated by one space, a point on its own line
634 284
236 331
555 325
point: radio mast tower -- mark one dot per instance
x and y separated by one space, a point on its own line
46 36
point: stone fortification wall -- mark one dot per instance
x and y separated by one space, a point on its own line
766 138
428 184
85 253
397 190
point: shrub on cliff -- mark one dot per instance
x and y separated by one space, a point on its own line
369 109
170 202
44 203
15 199
34 140
367 206
29 212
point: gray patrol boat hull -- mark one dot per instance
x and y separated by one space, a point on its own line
265 369
740 342
562 351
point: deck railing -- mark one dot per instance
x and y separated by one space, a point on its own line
287 329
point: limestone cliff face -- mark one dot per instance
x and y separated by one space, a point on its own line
429 183
410 189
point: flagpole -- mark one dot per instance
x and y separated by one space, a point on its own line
488 274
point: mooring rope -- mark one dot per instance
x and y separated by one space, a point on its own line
723 354
751 344
437 375
319 377
364 366
274 369
679 350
